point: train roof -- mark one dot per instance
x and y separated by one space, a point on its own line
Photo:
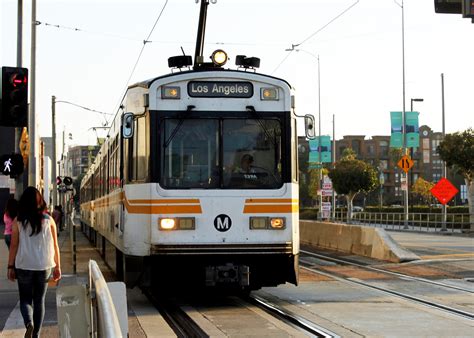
147 83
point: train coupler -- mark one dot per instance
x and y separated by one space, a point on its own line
228 274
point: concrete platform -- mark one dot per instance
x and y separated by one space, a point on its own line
143 319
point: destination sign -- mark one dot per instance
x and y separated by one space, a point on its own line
220 89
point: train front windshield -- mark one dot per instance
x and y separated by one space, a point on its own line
221 153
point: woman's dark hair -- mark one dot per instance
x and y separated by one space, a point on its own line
31 209
11 209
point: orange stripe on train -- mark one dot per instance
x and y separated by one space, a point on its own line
269 208
270 200
163 209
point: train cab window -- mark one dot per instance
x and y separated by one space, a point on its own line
190 153
210 153
138 170
257 141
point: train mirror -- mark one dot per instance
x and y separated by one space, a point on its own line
127 125
310 131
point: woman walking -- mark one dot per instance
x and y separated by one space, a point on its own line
9 216
34 252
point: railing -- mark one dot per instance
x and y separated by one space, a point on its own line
98 309
104 316
430 222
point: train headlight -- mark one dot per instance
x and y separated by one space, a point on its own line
258 223
269 94
277 223
219 57
170 92
167 223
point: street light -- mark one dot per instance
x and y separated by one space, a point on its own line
319 119
411 149
414 100
53 160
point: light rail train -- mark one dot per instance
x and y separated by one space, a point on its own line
197 182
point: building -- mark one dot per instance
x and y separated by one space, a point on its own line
376 151
79 159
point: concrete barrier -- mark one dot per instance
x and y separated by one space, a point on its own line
355 239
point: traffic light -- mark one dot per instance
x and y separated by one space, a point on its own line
11 165
14 108
67 181
58 180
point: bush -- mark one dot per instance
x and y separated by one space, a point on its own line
309 213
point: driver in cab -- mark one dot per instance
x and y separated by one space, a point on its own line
246 165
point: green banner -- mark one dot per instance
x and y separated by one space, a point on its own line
396 136
325 149
412 130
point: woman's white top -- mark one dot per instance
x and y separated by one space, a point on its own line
35 252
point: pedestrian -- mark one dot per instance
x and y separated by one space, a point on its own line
11 210
57 214
34 252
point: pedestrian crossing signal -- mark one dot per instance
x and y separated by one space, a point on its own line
11 165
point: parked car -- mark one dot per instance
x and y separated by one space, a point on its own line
357 209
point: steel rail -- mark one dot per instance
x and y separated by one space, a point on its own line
177 319
414 299
398 274
290 317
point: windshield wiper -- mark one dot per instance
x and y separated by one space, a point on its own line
177 128
259 120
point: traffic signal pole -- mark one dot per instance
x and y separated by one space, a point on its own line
31 115
19 53
53 156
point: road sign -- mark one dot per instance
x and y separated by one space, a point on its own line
444 191
405 163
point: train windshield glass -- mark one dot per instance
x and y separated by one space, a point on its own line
221 153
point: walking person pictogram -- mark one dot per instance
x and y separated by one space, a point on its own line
7 164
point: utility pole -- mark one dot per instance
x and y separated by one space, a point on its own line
319 146
445 216
333 165
19 53
31 116
53 159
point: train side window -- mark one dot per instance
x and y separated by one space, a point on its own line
141 150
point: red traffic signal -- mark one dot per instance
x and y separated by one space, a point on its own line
14 112
58 180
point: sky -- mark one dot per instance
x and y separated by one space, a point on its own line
88 60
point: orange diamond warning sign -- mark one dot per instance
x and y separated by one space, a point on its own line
405 163
444 191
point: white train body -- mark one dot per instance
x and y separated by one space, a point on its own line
174 201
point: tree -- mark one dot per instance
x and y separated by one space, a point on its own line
457 150
351 176
423 188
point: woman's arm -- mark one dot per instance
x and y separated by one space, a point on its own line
57 260
13 251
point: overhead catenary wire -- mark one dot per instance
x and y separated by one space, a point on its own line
145 41
116 36
314 33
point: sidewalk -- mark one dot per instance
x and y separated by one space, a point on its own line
14 324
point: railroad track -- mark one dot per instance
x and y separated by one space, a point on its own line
176 318
290 318
397 274
449 309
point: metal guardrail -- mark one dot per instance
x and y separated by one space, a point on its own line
429 222
103 316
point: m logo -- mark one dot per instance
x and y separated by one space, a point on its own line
222 223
